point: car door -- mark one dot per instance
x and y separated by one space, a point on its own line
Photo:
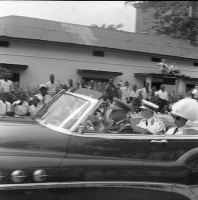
184 153
141 160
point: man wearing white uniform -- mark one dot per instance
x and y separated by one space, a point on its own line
182 111
149 121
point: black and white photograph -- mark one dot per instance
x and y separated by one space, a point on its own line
98 100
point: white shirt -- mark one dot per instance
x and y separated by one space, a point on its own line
4 107
195 93
162 94
125 93
144 93
134 94
42 99
179 132
22 109
52 88
155 125
6 86
33 109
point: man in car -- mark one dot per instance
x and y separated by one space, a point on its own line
115 118
182 111
150 122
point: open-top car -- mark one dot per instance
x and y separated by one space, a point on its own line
61 155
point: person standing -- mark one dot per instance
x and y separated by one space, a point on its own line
126 92
111 90
145 92
7 87
5 106
162 96
52 85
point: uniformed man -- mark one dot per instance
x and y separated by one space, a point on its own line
149 121
114 120
182 111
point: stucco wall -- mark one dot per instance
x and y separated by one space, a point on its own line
63 61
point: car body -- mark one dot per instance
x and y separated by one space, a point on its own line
55 157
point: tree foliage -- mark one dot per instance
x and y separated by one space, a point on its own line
177 19
110 26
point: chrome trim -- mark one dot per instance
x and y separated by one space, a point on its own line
190 192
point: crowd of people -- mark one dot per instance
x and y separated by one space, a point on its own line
25 101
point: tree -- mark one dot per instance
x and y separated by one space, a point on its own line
110 26
178 19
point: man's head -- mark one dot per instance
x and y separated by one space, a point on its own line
148 109
70 82
146 84
162 87
184 110
134 87
43 89
52 77
111 81
126 84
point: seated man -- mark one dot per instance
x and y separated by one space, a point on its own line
182 111
113 121
149 121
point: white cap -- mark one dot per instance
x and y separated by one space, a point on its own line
42 86
148 105
186 108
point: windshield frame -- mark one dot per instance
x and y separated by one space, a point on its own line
93 103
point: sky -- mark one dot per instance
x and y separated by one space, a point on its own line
75 12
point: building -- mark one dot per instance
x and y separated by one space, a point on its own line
34 48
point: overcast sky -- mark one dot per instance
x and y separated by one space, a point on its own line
75 12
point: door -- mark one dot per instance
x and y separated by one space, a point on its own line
141 160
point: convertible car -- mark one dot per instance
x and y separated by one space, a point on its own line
60 156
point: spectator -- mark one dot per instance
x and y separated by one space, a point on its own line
5 106
83 84
52 85
92 85
195 92
71 85
7 87
174 70
119 84
21 106
133 93
34 105
163 97
111 90
145 92
164 68
43 96
126 92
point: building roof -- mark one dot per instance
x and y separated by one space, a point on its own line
45 30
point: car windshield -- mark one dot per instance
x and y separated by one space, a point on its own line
63 110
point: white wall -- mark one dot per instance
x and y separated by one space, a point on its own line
63 61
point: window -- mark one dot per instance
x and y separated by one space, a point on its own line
154 59
4 43
98 53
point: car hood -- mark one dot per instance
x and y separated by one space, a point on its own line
19 137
